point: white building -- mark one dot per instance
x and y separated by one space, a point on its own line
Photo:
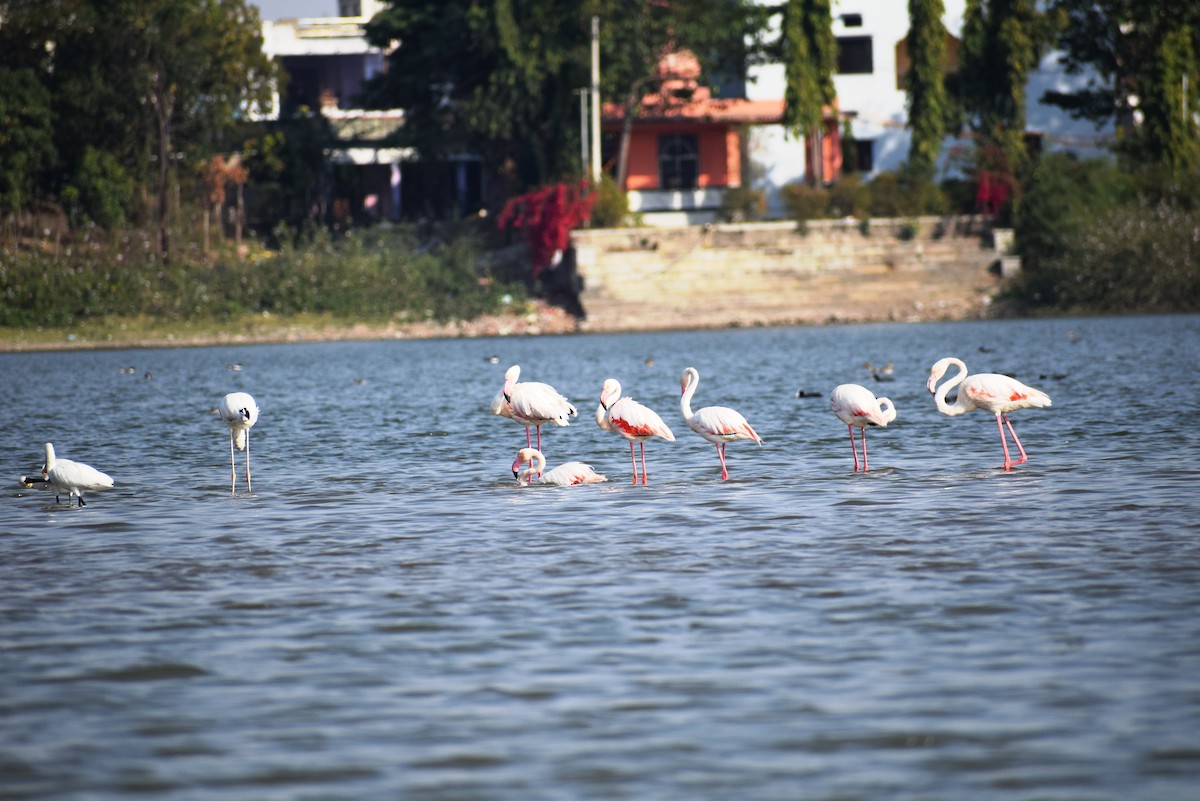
869 34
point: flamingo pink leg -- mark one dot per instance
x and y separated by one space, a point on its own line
721 456
1003 443
1008 423
864 444
633 461
853 447
642 445
528 438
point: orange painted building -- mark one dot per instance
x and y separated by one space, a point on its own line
685 146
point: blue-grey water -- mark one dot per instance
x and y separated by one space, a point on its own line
389 616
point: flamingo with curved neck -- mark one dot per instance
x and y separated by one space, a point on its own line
531 403
564 475
717 424
632 420
998 394
857 406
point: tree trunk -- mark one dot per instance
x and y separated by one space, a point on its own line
162 114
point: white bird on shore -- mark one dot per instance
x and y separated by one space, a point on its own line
73 478
564 475
240 413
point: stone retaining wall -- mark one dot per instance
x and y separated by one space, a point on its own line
776 273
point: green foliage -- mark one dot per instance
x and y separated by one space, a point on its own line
26 136
1000 44
742 204
810 57
611 209
904 194
926 91
1142 256
103 190
376 274
1136 54
805 202
849 197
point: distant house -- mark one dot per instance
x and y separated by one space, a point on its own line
327 61
687 147
872 62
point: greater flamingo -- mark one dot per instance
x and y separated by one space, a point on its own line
717 424
632 420
73 477
855 405
563 476
240 413
996 393
532 403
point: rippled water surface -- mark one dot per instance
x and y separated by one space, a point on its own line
389 616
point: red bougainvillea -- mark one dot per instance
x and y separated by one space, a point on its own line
547 215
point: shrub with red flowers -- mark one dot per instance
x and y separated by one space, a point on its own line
547 215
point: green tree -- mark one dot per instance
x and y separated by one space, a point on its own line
26 136
499 78
491 78
924 84
1137 54
141 80
1000 44
809 52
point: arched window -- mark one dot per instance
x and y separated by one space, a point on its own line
678 161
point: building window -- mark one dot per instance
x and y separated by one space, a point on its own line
678 161
852 20
864 151
855 56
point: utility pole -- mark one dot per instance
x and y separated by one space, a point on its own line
595 100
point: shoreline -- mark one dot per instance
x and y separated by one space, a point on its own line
540 319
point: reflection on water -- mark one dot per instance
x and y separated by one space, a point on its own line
388 615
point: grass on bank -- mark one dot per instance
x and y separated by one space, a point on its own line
115 288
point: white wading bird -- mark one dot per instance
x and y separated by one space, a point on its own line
240 413
73 478
855 405
717 424
998 394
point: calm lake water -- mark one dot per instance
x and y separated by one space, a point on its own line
389 616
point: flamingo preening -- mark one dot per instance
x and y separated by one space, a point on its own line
564 475
857 406
632 420
717 424
531 403
73 478
998 394
240 413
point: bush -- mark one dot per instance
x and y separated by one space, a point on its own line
805 202
848 197
375 273
1094 238
901 194
611 208
742 204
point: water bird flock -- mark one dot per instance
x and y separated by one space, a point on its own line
533 404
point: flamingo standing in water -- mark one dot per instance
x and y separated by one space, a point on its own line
240 413
73 477
532 403
630 419
717 424
563 476
998 394
855 405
